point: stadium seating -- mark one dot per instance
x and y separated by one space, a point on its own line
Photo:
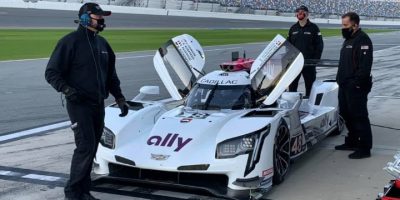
322 8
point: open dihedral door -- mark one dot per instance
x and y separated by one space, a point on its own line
183 56
274 69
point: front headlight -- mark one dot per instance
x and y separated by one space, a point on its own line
108 138
237 146
250 144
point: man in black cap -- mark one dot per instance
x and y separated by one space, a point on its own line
306 37
82 67
355 82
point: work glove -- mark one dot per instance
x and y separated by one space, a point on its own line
71 94
123 106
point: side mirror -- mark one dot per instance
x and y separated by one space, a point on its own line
146 90
153 90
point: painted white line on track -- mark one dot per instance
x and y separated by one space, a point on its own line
6 173
33 131
386 49
41 177
130 57
387 97
23 60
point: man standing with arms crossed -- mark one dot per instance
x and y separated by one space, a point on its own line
306 37
82 67
355 82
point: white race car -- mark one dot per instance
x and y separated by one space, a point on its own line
231 132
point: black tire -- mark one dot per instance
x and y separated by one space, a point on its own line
281 154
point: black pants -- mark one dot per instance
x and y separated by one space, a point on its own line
87 124
353 109
309 75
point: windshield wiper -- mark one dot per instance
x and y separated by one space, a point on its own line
210 97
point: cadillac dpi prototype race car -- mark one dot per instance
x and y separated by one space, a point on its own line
231 132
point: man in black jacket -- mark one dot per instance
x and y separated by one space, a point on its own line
355 82
306 37
82 67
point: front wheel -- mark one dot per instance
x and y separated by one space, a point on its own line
281 153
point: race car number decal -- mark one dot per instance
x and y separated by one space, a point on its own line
296 145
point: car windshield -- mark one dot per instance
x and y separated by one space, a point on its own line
215 97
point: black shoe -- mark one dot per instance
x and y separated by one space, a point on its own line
359 154
345 147
88 197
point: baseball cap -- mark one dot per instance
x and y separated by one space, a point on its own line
302 7
93 8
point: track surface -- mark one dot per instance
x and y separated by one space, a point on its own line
28 101
23 18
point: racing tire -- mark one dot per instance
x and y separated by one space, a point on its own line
281 159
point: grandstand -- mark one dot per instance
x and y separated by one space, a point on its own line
321 8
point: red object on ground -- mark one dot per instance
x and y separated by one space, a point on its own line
394 191
397 183
239 64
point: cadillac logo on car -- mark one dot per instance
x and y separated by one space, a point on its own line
159 157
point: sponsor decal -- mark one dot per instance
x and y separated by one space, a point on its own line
169 141
219 82
294 33
349 47
267 172
319 33
159 157
307 33
200 115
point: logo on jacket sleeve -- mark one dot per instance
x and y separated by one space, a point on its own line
169 141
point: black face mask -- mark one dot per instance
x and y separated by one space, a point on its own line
100 25
347 32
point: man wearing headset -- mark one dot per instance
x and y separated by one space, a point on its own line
355 82
306 37
82 67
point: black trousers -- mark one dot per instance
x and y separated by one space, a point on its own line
87 124
309 75
353 109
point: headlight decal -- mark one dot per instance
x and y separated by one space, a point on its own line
246 144
108 138
254 158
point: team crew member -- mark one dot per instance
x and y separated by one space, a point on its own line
306 37
355 82
82 67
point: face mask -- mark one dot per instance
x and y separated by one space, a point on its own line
347 32
100 25
301 15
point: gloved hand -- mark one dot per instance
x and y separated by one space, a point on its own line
123 106
71 94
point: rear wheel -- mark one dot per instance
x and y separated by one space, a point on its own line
281 153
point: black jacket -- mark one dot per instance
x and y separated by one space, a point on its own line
355 60
85 61
307 39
